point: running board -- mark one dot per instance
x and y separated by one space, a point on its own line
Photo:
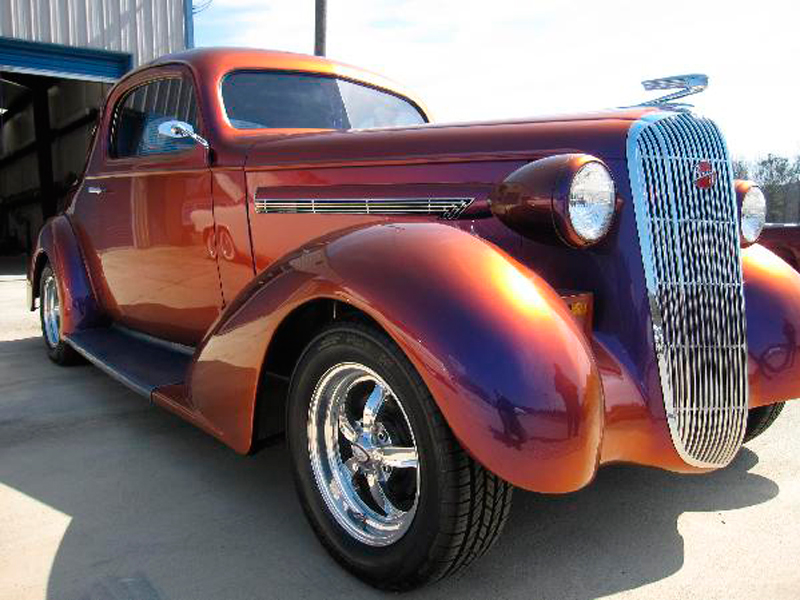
141 362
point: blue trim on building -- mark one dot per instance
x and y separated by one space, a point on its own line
63 61
188 24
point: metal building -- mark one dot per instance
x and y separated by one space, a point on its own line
58 59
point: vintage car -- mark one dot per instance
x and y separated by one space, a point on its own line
432 315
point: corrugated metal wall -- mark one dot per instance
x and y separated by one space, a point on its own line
144 28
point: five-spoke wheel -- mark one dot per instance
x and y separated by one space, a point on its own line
363 454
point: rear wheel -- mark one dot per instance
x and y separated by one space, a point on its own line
760 419
50 316
385 485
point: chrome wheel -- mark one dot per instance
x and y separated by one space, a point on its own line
363 454
51 311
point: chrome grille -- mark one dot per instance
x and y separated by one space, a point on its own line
446 208
689 239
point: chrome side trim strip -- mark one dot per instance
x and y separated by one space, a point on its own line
689 240
445 208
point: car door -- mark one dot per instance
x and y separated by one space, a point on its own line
146 215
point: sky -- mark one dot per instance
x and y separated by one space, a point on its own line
494 59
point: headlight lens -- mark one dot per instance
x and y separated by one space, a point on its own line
754 214
591 201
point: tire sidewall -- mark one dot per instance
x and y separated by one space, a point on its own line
403 558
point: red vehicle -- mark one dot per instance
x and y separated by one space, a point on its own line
268 243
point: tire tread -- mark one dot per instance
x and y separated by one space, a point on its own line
760 419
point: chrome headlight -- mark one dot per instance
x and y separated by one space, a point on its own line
754 214
591 201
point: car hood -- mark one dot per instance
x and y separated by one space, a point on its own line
602 133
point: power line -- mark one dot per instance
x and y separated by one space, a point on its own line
200 6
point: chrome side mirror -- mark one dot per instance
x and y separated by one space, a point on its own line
179 130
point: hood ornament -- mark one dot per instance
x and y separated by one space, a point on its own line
687 85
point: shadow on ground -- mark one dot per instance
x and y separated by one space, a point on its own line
160 510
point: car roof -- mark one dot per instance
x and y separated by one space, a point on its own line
215 62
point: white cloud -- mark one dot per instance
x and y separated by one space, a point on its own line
473 59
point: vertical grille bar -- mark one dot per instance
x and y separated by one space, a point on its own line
689 238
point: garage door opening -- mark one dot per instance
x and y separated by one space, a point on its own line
50 98
45 130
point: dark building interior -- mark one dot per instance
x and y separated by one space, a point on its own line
46 125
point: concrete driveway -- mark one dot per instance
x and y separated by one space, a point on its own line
105 497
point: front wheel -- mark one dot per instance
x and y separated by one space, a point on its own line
760 419
386 487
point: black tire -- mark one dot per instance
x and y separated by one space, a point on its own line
461 507
59 352
760 419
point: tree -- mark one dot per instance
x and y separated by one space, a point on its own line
741 169
779 178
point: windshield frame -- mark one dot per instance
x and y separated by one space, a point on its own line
385 90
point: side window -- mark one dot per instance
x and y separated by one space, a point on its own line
142 110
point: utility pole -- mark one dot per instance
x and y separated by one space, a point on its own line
319 30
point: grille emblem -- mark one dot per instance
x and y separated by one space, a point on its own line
704 175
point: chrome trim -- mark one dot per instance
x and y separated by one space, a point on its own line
92 189
689 241
445 208
175 129
687 85
51 311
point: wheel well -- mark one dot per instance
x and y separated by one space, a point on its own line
288 342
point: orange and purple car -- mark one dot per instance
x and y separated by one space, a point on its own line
275 244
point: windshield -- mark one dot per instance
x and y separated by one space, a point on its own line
272 100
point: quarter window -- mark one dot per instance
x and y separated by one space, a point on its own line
142 110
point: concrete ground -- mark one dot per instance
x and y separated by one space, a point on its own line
103 497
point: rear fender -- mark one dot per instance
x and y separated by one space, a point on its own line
511 371
58 245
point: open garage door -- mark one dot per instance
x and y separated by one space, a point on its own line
50 96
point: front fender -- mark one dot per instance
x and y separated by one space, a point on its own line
772 301
58 245
511 371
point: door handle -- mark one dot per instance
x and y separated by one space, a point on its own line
96 190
